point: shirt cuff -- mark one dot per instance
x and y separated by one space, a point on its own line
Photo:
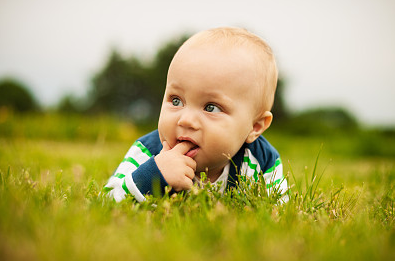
148 177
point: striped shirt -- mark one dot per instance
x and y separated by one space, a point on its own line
139 175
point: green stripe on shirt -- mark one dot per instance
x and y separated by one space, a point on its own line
119 175
131 160
277 181
278 162
143 148
251 166
125 188
107 189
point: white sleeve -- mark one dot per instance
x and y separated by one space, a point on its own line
121 182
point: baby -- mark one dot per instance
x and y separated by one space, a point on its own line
219 92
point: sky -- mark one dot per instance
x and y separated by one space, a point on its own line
330 53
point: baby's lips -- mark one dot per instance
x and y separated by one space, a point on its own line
179 141
186 139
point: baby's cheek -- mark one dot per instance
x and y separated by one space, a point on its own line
221 151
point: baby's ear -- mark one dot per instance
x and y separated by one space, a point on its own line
260 125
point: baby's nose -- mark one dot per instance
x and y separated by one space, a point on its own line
189 119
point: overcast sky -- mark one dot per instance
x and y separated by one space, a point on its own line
338 52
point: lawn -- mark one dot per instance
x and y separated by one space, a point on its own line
53 167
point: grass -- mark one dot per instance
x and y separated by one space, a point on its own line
341 202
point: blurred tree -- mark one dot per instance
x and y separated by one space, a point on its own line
117 85
279 110
69 104
16 96
131 88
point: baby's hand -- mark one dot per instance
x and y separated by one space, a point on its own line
177 169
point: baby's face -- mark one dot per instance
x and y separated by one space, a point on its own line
209 101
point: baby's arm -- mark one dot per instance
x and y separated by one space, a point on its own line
121 183
275 180
139 170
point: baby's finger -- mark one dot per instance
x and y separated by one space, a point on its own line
190 173
188 183
183 147
190 163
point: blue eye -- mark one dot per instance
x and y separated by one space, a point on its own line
212 108
177 102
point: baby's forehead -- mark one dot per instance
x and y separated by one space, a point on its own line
222 59
231 47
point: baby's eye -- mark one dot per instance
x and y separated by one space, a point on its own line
177 102
212 108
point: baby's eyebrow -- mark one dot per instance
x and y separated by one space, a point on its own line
217 96
174 87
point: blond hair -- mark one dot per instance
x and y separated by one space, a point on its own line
266 64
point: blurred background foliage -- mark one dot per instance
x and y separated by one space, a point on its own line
129 89
16 96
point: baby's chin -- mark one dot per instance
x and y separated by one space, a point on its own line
207 168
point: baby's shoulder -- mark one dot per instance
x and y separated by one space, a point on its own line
262 145
264 152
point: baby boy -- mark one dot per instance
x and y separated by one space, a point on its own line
219 92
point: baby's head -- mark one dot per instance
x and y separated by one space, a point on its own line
265 65
219 92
